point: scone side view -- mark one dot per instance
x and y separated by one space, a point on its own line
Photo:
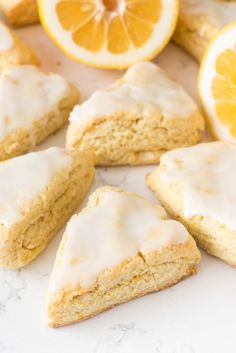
52 99
127 139
13 51
20 13
28 226
136 119
189 36
199 21
117 260
212 233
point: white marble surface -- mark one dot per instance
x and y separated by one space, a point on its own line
195 316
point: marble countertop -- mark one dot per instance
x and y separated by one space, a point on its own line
195 316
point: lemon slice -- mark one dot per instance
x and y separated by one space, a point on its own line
109 33
217 84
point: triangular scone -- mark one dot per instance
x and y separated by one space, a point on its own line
197 186
38 193
13 51
199 21
136 119
33 105
118 248
20 12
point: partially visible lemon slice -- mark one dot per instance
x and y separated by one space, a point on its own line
109 33
217 84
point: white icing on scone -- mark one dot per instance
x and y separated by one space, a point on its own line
219 12
144 90
207 176
24 178
26 95
112 228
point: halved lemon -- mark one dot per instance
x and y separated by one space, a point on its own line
217 84
109 33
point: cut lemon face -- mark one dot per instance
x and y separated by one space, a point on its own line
109 33
217 84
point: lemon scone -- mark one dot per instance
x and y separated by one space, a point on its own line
199 21
20 12
197 186
33 105
119 247
136 119
13 51
38 193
